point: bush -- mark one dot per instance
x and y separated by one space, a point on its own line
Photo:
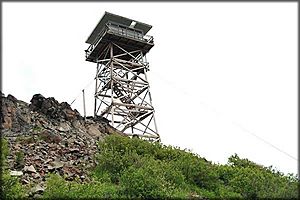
254 181
197 171
19 162
10 186
153 170
152 179
58 188
114 163
4 152
133 168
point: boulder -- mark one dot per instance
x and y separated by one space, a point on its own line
8 114
37 189
36 102
53 109
16 173
50 137
64 127
29 169
94 131
55 165
12 98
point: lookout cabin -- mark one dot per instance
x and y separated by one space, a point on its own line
127 33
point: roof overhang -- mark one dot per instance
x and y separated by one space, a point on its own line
118 19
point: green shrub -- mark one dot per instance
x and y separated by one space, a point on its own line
197 171
152 179
133 168
153 170
4 152
255 181
19 162
146 181
25 139
114 163
10 186
58 188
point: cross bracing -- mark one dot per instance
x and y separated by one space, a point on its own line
122 92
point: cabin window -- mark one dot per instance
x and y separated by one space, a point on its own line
133 23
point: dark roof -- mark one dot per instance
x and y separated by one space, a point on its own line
118 19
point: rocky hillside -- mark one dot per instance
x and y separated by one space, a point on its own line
48 136
49 152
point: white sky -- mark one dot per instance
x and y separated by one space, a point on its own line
217 71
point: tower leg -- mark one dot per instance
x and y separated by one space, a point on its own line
124 92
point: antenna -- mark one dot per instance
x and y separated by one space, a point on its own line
118 46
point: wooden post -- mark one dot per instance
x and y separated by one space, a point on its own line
84 104
112 83
95 103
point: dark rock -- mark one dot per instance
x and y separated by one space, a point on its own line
36 102
53 109
12 98
52 137
8 114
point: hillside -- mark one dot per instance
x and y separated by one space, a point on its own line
48 136
50 151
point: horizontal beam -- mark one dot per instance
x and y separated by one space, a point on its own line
105 95
129 80
141 135
128 63
132 105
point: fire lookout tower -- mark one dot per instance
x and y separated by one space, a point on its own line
119 46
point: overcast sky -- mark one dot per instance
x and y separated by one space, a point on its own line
223 76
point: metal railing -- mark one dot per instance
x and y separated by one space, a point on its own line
122 30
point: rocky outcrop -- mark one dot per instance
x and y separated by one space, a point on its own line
46 136
53 109
14 114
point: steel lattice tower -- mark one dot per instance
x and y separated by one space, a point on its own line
122 94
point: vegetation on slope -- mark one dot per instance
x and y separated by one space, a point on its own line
11 188
133 168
